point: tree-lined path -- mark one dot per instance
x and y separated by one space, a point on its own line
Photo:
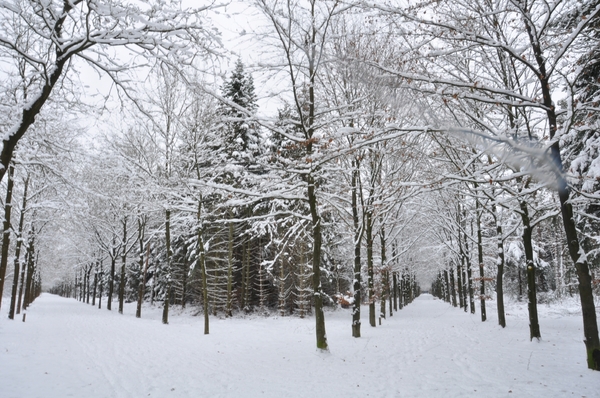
429 348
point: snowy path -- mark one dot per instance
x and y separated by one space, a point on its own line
429 349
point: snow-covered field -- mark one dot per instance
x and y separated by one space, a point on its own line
428 349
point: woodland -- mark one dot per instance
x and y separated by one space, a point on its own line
364 153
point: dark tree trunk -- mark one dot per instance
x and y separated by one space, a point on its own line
165 314
395 286
30 268
385 276
201 265
467 256
123 265
447 287
459 281
534 326
500 276
481 268
95 284
370 270
111 282
357 243
141 288
6 227
101 281
452 288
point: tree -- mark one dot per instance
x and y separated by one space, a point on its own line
531 35
60 34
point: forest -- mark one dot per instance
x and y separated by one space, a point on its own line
355 154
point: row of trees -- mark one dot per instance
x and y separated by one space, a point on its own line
414 144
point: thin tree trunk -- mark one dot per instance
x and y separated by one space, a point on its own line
357 243
370 271
17 263
459 284
395 286
321 335
452 287
30 268
111 282
385 280
447 287
228 309
481 268
165 314
95 284
467 255
6 227
201 264
141 287
123 265
500 265
11 313
101 290
534 326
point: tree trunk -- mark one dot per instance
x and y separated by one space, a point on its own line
452 287
467 256
201 264
447 286
316 264
101 281
370 271
395 287
534 326
141 287
481 268
11 313
88 271
357 243
165 314
228 309
6 227
385 279
459 283
30 268
111 282
123 265
95 284
500 275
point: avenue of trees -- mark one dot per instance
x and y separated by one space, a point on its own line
443 146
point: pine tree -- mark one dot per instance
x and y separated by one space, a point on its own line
242 142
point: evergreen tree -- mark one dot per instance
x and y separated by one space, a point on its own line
241 141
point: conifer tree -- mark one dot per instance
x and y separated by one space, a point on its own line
241 141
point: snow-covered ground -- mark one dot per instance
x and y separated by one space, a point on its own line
429 349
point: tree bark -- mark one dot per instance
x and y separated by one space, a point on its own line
534 326
500 275
6 227
201 264
370 271
101 281
481 267
357 244
141 287
111 282
165 314
228 308
123 265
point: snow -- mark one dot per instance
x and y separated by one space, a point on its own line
70 349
